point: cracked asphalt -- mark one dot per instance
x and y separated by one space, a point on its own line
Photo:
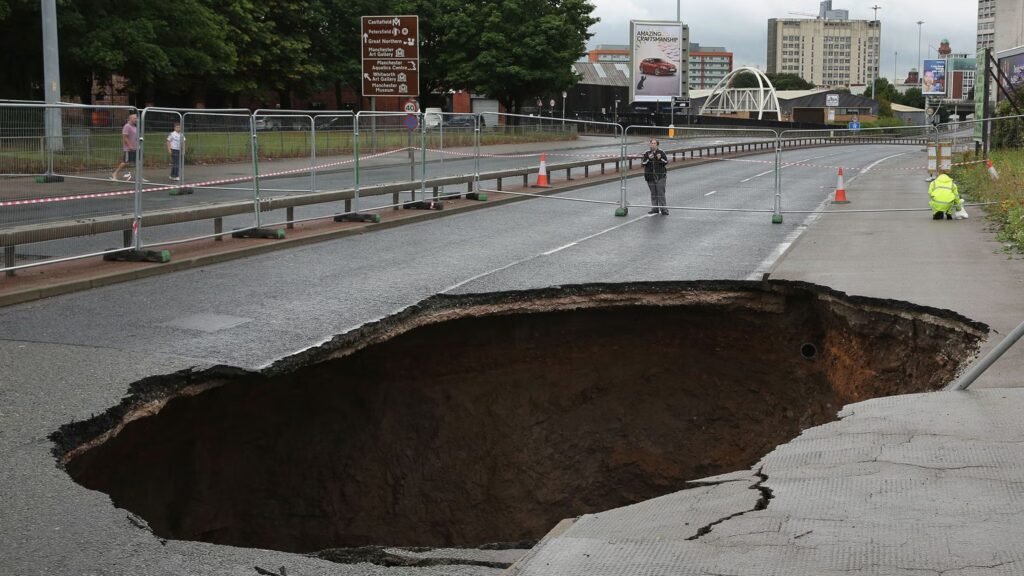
916 484
920 484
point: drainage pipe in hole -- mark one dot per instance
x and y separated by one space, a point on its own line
985 363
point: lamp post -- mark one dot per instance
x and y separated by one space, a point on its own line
919 24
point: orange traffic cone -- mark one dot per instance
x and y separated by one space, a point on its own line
840 190
992 171
542 173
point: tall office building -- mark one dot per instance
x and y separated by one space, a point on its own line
708 66
830 50
1009 24
986 24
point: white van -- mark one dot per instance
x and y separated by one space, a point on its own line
432 117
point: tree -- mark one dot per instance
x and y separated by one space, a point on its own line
515 49
789 81
161 48
883 91
913 97
21 35
781 81
274 42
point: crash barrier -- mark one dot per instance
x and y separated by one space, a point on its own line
225 170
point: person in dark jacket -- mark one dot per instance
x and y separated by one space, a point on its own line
655 162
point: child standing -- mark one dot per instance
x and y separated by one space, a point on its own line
175 147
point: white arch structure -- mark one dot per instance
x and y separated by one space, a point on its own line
725 100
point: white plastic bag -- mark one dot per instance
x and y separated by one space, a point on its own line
960 213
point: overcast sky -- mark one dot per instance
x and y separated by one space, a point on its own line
741 26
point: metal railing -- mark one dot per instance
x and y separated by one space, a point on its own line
278 168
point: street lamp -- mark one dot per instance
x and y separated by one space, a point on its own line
919 24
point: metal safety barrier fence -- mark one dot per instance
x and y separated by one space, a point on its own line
252 172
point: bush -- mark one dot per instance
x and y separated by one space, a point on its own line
1005 194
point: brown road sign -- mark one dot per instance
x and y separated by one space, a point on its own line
390 46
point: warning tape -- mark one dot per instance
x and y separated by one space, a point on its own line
207 183
96 195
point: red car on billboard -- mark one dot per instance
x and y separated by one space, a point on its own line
657 67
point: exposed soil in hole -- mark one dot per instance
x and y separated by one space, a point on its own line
489 418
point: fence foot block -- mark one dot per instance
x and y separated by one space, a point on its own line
183 191
371 218
263 233
478 196
776 218
49 179
423 205
158 256
621 212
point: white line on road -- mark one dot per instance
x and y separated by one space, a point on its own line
546 253
784 165
768 264
712 192
757 175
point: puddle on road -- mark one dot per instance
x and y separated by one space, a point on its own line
489 418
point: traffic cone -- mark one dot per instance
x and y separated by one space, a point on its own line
542 173
992 171
840 190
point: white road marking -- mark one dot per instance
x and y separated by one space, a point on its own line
546 253
769 263
712 192
784 165
757 176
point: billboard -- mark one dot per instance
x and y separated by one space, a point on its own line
933 78
659 60
1011 64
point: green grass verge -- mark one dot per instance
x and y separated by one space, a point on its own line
1008 192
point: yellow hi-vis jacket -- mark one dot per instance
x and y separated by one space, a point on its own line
945 196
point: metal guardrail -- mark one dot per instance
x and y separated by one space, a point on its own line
27 234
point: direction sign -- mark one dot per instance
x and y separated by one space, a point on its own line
391 55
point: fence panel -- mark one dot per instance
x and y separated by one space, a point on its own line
216 173
814 159
57 199
517 142
730 169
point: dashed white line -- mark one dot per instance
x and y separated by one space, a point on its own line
546 253
712 192
768 264
784 165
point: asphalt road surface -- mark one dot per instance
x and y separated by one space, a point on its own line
378 171
68 357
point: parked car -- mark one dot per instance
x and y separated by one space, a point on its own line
293 123
460 121
657 67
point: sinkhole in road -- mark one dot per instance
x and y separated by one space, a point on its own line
488 418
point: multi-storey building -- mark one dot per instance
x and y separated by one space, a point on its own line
830 50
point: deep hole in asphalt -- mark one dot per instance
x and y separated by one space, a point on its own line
488 418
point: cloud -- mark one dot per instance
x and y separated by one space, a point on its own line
741 26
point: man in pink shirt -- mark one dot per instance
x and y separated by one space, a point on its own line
129 145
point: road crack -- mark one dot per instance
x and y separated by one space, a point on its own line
761 504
